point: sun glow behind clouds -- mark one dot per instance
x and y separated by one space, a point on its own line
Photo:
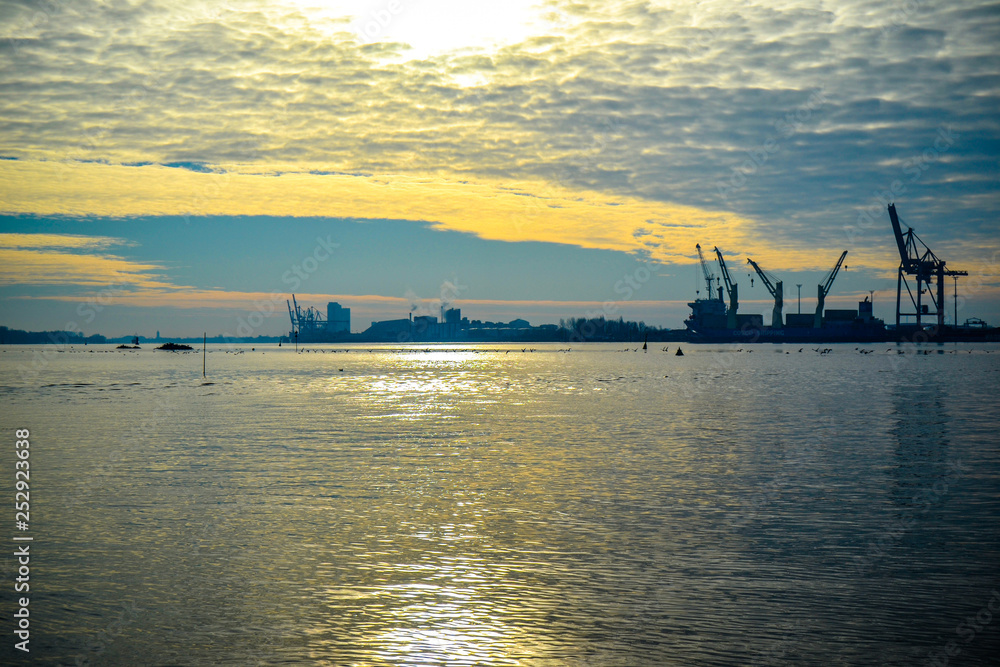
435 27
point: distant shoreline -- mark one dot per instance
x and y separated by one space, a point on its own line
19 337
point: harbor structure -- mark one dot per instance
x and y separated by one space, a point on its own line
919 262
713 319
310 325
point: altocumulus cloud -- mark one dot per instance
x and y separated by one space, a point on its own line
794 117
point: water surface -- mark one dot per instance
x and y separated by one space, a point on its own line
493 505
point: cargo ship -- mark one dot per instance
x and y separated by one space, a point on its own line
715 320
708 324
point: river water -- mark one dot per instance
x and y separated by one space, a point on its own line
493 505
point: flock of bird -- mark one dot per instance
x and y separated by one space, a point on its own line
416 351
678 353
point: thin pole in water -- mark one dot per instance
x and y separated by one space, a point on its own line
956 300
204 354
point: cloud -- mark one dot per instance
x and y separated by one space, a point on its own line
57 259
59 241
33 267
495 210
699 111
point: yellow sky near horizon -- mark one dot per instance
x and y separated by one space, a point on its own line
512 211
497 210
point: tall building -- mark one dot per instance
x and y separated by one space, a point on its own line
338 318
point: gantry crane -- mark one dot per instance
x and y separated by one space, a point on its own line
731 288
307 323
925 266
824 289
777 290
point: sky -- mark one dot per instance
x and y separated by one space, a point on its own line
179 168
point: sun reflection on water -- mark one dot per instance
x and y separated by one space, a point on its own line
447 617
445 625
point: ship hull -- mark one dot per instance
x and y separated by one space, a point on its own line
845 334
858 333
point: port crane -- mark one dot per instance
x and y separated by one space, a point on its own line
731 288
709 278
308 321
824 289
777 290
926 267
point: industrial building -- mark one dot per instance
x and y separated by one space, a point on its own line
451 327
310 325
338 318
